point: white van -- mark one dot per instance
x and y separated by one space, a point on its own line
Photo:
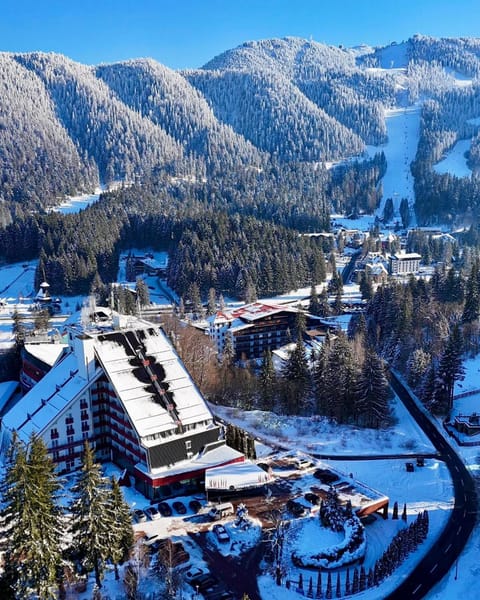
220 511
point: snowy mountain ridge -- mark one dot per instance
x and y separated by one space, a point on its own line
288 100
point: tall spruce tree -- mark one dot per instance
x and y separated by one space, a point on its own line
268 381
93 520
32 532
122 532
450 370
373 392
297 378
471 309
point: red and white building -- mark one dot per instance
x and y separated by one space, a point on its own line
121 386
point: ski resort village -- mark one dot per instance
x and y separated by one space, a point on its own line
240 324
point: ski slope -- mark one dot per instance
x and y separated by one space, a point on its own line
403 129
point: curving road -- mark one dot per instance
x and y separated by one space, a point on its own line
457 531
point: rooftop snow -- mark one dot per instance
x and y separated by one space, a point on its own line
239 475
134 387
34 411
47 353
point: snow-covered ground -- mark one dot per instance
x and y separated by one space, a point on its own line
321 436
74 204
403 128
427 488
455 161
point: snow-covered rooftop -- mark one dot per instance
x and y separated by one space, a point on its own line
52 394
116 352
47 353
236 475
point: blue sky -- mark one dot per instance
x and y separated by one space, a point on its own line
187 33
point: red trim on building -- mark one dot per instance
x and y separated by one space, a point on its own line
169 479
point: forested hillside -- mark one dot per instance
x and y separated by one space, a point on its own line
252 134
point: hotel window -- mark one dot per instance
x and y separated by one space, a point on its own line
70 439
188 445
54 433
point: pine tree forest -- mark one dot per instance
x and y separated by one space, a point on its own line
42 541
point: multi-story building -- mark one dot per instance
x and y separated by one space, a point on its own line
122 388
404 263
255 327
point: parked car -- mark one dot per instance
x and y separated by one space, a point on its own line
194 505
326 476
221 511
139 516
220 533
164 509
218 592
303 463
152 512
312 498
179 507
150 539
296 508
193 573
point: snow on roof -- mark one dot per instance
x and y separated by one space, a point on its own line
220 455
134 387
236 475
406 256
52 394
48 353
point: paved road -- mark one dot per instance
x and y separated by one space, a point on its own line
239 575
455 535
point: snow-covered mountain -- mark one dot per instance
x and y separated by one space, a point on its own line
67 126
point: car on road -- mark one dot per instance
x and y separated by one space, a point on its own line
195 506
312 498
164 509
139 516
221 533
297 509
179 507
152 512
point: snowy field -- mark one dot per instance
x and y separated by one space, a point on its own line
455 161
74 204
320 436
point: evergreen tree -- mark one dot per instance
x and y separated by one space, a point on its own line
297 377
32 532
395 511
267 381
373 392
212 302
93 520
143 295
314 306
122 532
450 370
471 309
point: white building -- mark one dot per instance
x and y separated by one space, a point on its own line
404 263
121 387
